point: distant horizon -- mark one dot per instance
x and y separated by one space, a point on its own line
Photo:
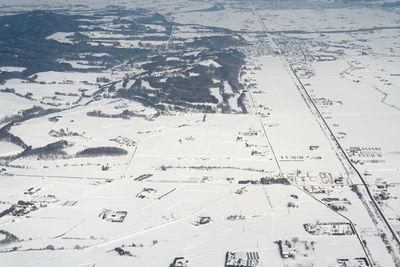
200 133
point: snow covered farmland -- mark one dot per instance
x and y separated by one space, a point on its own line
202 133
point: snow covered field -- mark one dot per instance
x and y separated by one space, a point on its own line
90 178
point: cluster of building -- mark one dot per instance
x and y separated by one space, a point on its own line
146 192
113 216
357 262
22 208
289 249
242 259
179 262
202 220
329 228
31 191
235 217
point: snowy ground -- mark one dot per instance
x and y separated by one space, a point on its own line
183 166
